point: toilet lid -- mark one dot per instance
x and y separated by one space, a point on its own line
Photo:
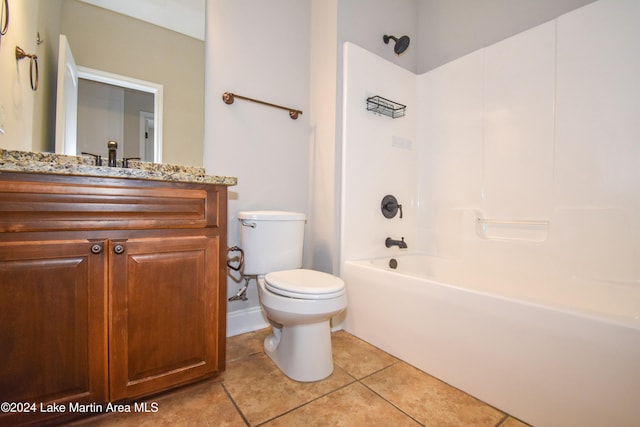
304 284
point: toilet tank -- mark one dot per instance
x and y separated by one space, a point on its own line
271 240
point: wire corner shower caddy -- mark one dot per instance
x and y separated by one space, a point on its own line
386 107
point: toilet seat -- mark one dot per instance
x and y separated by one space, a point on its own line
304 284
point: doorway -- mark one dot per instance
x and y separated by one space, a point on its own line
113 108
146 135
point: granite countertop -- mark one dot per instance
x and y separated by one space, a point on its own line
60 164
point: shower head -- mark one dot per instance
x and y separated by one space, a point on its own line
402 43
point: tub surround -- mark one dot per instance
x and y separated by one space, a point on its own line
520 173
60 164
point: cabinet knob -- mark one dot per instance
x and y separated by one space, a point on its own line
118 249
96 248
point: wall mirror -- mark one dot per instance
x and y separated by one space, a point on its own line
94 106
119 55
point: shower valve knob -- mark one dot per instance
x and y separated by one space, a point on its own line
390 206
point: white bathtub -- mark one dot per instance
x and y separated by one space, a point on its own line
549 353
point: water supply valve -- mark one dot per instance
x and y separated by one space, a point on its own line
241 295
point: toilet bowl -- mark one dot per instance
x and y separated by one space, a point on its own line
299 303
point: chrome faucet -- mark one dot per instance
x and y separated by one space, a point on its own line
399 243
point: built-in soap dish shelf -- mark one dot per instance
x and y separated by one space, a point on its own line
529 230
386 107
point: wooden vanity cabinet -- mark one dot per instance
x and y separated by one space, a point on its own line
110 289
53 327
162 313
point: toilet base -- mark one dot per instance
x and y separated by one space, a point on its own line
302 352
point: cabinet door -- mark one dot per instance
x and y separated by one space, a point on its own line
53 328
164 313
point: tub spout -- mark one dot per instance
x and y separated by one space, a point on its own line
399 243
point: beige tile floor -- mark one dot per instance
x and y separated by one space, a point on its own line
367 388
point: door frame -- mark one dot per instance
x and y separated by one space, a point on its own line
136 84
145 117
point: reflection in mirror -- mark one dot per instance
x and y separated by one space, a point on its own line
118 44
122 112
114 42
94 107
141 52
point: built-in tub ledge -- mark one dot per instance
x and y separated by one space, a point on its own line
532 230
32 162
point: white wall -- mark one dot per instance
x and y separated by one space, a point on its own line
524 131
324 205
440 31
379 155
597 156
450 29
259 50
539 127
365 22
499 163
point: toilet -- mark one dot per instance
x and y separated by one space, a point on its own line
299 303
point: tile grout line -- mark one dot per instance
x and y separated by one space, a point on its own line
504 413
381 369
385 399
235 404
504 419
359 380
355 380
245 356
